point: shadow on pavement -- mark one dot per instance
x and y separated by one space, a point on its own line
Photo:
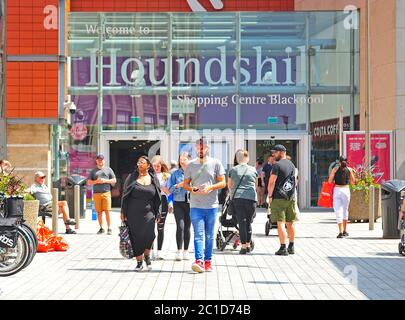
105 258
376 278
366 238
236 253
387 254
128 270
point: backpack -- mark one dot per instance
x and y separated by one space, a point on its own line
287 188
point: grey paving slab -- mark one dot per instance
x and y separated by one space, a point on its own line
363 266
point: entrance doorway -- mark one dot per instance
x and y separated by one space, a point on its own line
260 149
123 157
297 149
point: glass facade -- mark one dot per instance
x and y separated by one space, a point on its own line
284 72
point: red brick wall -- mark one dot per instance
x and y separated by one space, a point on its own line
177 5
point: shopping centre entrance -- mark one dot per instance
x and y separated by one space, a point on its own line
123 157
122 151
297 148
264 147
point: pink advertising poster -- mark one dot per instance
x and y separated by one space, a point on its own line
380 153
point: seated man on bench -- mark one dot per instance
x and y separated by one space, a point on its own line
42 193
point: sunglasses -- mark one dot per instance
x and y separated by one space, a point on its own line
42 177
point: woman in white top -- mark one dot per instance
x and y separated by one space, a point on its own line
162 173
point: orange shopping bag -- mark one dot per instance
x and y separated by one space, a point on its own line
48 241
326 196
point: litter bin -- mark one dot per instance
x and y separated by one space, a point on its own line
73 181
393 192
61 186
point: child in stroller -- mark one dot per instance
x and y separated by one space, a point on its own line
228 230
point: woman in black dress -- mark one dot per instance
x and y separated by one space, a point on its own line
140 208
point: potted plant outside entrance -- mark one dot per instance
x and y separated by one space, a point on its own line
12 190
361 193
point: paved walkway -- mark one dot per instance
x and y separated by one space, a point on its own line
364 266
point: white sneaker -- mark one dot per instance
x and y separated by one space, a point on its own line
159 255
178 256
186 255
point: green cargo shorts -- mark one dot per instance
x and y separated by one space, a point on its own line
283 210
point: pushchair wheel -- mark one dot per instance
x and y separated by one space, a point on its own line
221 244
401 249
267 228
235 245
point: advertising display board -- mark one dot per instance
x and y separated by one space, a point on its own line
381 153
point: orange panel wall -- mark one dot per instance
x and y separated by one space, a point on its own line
25 29
32 90
177 5
31 87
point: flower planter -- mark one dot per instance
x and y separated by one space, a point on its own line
31 209
359 205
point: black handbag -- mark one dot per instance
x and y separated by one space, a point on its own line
125 245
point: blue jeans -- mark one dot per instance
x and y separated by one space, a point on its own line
203 221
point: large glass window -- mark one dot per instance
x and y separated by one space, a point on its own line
279 72
209 70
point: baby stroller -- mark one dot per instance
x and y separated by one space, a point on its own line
228 231
270 224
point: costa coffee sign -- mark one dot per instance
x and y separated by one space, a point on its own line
328 130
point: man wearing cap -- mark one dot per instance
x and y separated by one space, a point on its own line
282 198
203 177
42 193
102 178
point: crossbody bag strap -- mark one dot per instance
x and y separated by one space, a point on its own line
240 181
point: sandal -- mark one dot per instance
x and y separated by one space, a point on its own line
70 231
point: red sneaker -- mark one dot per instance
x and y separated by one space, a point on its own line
208 267
198 266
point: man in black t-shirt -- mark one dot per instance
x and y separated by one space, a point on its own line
282 198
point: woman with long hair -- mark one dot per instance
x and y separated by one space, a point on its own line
163 175
181 207
141 210
342 176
